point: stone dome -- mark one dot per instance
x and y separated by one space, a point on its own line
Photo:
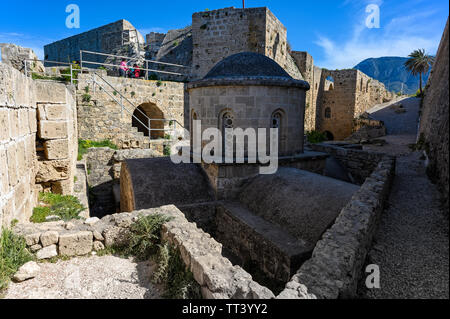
247 64
246 69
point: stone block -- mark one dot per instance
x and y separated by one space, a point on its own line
47 252
32 239
12 165
32 121
63 187
4 181
50 92
52 171
56 112
56 149
76 244
24 127
49 238
51 130
4 124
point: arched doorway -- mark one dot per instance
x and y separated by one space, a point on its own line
148 115
329 135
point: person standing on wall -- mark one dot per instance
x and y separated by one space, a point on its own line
123 70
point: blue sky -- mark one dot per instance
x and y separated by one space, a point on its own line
333 32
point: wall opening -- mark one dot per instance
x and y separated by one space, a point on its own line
329 135
148 115
328 113
329 83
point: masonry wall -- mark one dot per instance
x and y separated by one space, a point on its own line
220 33
17 145
434 121
102 118
57 139
104 39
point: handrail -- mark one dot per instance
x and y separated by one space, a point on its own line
144 69
25 61
123 107
132 59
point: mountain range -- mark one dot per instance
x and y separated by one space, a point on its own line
392 72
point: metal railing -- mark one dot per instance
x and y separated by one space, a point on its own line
121 101
29 71
147 62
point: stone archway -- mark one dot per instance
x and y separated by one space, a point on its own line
141 116
329 135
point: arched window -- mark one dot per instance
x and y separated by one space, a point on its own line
328 113
226 120
329 83
276 120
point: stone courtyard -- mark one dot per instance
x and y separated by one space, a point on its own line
306 231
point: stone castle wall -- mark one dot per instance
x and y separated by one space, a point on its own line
220 33
18 130
57 140
102 118
38 142
434 120
104 39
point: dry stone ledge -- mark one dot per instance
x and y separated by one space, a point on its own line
218 278
335 266
76 244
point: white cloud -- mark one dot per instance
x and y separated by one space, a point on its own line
26 41
398 37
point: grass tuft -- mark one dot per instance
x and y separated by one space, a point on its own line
13 254
84 145
66 207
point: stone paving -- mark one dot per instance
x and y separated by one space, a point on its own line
411 246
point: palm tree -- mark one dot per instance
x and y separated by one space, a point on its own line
419 63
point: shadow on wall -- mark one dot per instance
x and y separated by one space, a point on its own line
141 117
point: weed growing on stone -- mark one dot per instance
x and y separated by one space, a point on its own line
84 145
315 137
65 207
178 281
86 98
13 254
167 150
145 235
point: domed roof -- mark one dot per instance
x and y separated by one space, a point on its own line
248 68
247 64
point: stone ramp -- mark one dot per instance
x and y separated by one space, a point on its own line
398 123
252 240
155 182
303 203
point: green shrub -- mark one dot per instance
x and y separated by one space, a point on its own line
86 98
86 89
36 76
13 254
315 137
167 150
66 207
178 281
153 77
84 145
158 83
145 235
